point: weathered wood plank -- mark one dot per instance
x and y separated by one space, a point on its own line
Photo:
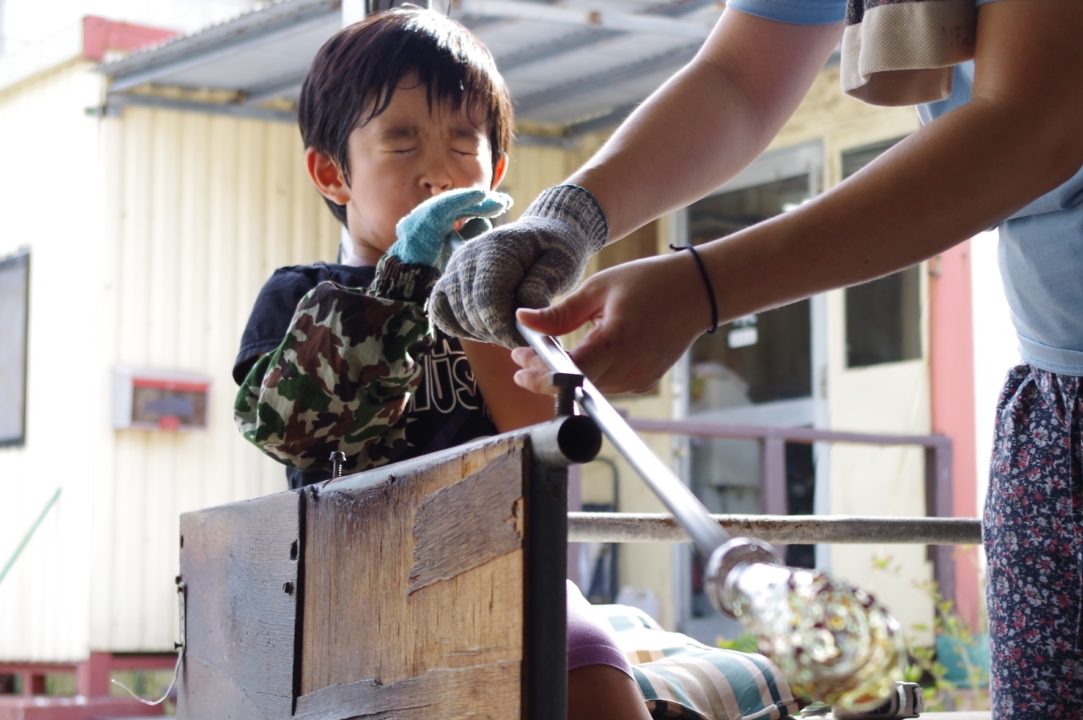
453 528
239 564
365 616
473 692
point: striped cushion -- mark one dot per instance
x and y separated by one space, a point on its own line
683 678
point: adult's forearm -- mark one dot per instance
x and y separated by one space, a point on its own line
672 151
1015 140
944 184
708 121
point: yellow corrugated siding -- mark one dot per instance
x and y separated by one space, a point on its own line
151 234
531 169
50 202
202 209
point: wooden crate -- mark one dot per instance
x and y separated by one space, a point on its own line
427 589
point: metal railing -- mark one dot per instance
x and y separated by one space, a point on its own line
937 485
829 637
608 527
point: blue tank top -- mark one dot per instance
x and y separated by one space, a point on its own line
1041 261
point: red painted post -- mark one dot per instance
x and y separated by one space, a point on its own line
951 368
92 675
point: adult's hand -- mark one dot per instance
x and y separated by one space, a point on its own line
522 264
645 315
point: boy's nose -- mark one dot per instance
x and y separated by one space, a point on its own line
437 180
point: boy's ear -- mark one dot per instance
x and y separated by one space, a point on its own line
326 176
500 170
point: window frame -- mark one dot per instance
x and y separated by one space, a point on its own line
16 437
911 343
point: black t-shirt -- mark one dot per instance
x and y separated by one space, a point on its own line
446 410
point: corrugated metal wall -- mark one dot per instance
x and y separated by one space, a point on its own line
199 209
49 203
150 235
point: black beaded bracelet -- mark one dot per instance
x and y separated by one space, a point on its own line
706 282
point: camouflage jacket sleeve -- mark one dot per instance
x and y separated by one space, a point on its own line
342 376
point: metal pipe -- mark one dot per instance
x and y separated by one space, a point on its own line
566 440
675 495
606 527
833 641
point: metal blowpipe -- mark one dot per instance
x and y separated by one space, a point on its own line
833 642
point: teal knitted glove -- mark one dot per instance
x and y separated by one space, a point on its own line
422 236
521 264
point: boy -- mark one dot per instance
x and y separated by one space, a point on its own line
381 138
406 124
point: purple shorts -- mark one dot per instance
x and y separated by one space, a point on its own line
589 641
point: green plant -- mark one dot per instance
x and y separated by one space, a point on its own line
942 688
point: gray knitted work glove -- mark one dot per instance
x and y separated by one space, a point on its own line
521 264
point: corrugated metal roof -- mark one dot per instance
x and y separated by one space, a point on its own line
570 65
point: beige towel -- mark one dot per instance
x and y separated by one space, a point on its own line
900 52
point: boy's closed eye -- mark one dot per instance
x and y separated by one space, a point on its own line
466 150
465 141
399 139
403 140
462 151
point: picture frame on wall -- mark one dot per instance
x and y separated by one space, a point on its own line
14 319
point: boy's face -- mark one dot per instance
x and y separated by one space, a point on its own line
401 157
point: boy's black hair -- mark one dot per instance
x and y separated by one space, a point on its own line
355 73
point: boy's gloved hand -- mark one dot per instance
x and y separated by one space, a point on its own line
521 264
422 236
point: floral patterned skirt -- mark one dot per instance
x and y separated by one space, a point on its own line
1033 537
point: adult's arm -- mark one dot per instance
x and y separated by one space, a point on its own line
1017 139
705 124
708 121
